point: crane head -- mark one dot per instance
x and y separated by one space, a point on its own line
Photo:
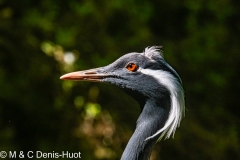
129 72
144 76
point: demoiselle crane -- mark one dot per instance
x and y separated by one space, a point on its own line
155 85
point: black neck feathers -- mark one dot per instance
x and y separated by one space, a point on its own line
151 119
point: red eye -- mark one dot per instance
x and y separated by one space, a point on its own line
132 67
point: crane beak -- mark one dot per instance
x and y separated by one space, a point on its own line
87 75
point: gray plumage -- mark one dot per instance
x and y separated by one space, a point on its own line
155 85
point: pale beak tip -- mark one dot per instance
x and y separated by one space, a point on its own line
71 76
63 77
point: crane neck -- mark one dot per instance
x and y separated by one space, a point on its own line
151 119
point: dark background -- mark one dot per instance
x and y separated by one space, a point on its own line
41 40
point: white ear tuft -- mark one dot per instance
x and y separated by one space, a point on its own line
177 101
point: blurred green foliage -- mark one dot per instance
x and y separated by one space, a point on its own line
41 40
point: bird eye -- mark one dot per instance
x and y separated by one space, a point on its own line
132 67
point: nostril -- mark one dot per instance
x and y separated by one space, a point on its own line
91 72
